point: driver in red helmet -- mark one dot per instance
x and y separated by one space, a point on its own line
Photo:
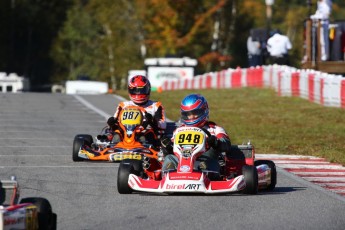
139 89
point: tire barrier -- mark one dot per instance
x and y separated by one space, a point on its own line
317 87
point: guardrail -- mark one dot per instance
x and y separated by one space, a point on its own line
315 86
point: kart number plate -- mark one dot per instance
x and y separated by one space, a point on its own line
189 138
131 116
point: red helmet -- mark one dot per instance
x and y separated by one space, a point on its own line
139 89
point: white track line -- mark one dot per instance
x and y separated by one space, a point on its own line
90 106
111 165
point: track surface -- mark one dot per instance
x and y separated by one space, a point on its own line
36 135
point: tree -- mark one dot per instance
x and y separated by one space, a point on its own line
27 30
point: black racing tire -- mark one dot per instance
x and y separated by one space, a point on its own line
79 140
251 178
137 166
128 166
125 168
46 218
272 165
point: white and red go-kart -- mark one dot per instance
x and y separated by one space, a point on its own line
29 213
239 170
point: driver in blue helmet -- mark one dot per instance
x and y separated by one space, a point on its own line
195 113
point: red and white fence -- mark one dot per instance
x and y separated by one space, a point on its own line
322 88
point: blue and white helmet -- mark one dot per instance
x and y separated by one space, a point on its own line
194 110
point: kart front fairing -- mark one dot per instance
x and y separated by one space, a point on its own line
189 144
127 147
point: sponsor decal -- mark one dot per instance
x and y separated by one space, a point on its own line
184 168
86 153
183 177
31 218
123 156
183 186
131 183
19 220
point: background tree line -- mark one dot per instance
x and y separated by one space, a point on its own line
50 41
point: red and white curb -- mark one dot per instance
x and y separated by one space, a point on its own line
330 176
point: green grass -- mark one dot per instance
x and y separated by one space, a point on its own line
273 124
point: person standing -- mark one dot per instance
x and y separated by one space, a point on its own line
254 52
278 47
323 11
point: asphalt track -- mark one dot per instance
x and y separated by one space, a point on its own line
36 135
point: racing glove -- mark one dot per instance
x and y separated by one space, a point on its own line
212 141
112 123
166 146
148 120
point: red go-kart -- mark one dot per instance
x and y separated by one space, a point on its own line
239 170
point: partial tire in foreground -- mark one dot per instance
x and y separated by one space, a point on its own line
250 174
46 218
80 140
272 165
127 167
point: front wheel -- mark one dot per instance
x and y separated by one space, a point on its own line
127 167
250 174
272 166
80 140
46 218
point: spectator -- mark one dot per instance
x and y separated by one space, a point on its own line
254 52
324 9
278 47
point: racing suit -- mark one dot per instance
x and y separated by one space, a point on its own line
218 142
155 116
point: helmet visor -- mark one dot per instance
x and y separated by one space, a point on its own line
139 90
189 115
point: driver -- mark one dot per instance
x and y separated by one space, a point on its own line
195 113
139 89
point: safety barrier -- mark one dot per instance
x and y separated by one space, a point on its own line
12 83
317 87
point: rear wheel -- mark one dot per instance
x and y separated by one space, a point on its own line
46 218
272 165
251 178
80 140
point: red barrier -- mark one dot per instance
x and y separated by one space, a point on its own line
165 85
173 85
255 77
208 81
321 91
259 77
186 82
250 77
295 91
236 78
342 93
219 80
311 90
200 82
280 76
